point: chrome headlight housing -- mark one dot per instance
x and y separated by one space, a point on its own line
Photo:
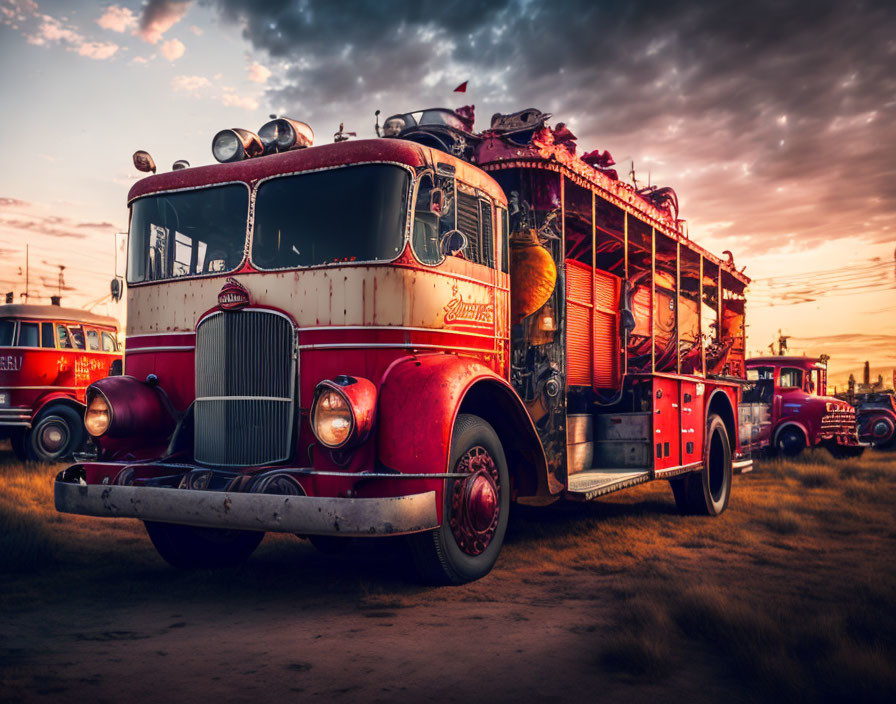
282 134
343 411
98 416
235 145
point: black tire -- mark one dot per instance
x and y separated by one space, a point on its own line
330 544
437 554
55 434
707 492
190 547
17 441
791 441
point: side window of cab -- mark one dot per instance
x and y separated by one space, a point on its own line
427 211
109 343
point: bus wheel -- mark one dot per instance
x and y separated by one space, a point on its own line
191 547
707 492
474 510
791 442
56 433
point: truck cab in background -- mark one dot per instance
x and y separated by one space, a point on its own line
791 410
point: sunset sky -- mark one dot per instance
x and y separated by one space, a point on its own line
774 121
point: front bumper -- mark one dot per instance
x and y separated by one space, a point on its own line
19 417
305 515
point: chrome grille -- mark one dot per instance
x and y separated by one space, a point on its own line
245 388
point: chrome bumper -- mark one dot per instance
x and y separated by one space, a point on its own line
20 417
306 515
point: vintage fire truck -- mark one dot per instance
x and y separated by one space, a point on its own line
48 357
793 411
400 336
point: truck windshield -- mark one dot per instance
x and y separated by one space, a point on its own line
349 214
187 233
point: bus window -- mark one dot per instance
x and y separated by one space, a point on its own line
791 378
29 335
62 336
93 339
7 330
46 335
77 336
109 344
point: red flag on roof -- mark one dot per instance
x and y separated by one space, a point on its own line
462 88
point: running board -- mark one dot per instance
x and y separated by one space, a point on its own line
742 466
592 483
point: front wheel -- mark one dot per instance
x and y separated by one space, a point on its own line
191 547
707 492
791 441
474 510
56 433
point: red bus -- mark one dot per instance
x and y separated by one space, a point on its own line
48 357
401 336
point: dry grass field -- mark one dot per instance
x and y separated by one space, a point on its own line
791 594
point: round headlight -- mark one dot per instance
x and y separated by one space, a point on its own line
331 418
282 134
236 144
98 415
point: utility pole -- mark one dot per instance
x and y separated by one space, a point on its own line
61 269
26 273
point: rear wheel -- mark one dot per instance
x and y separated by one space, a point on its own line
707 492
55 434
474 510
190 547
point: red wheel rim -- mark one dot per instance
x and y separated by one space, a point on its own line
475 501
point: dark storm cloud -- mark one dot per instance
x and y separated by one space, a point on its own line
773 120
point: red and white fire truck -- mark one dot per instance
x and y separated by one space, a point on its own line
48 357
791 410
400 336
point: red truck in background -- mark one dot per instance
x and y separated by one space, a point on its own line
791 411
876 413
48 357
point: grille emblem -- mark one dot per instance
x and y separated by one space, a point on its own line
233 295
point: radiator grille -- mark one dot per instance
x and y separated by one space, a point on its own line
245 388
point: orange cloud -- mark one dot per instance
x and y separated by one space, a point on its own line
117 19
173 49
159 16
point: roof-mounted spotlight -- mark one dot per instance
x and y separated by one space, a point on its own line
180 164
143 162
282 134
235 145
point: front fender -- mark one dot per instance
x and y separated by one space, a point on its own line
56 397
419 401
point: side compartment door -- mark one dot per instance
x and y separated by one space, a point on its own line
666 424
692 426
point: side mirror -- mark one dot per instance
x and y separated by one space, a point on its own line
115 289
452 243
436 201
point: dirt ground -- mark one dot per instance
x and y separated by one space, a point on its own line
791 593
